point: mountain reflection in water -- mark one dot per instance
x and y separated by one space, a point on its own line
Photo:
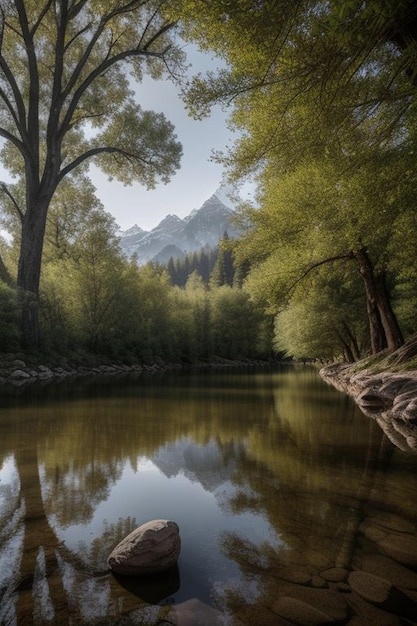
289 500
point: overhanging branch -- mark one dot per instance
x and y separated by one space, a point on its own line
96 151
350 256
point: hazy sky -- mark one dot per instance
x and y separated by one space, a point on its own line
198 177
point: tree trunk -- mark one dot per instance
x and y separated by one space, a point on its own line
383 324
39 536
347 351
389 320
29 270
376 330
353 341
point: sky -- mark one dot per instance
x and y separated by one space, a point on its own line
196 180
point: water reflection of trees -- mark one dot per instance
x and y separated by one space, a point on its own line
313 477
64 468
68 453
302 456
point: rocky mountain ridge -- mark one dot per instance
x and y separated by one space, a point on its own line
174 237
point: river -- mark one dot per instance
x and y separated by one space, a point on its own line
291 503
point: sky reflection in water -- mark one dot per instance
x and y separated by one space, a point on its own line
271 476
146 493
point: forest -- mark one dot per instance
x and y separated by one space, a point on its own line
322 96
95 302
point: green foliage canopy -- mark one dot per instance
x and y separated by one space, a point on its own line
323 94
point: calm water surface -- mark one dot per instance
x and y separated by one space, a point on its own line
281 488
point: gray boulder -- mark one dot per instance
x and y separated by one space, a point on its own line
19 375
151 548
18 363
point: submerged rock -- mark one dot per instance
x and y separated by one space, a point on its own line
381 593
384 567
370 587
401 548
195 612
151 548
308 606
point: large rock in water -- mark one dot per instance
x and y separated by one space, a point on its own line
151 548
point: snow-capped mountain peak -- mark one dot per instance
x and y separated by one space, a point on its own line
203 226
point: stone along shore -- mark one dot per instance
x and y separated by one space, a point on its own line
385 390
14 372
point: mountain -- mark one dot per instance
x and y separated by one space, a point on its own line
174 237
205 465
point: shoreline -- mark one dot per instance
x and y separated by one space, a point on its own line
15 373
389 397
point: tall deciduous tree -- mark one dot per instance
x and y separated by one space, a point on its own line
66 99
325 317
313 81
317 216
96 271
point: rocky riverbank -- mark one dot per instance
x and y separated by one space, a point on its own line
16 372
384 389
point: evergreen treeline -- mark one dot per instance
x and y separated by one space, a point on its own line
203 262
215 266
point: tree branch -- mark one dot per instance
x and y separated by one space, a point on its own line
76 8
100 69
53 121
40 18
164 29
109 61
33 108
350 256
4 188
15 141
9 106
20 114
94 152
94 38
